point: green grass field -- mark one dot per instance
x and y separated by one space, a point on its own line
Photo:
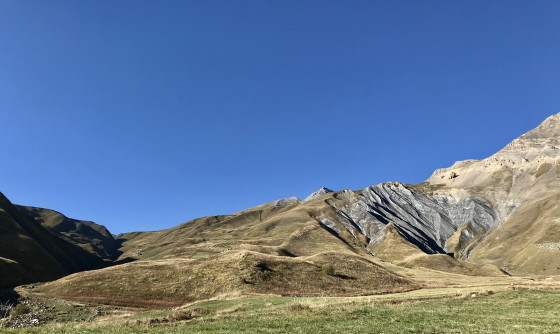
516 311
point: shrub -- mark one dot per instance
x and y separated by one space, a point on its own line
20 309
328 269
182 315
297 307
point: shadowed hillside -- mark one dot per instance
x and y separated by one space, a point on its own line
31 253
92 237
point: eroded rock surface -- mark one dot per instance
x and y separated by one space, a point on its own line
318 193
425 221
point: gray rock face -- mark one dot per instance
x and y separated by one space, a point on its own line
330 224
426 221
285 201
318 193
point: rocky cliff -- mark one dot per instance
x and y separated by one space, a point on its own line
499 210
426 221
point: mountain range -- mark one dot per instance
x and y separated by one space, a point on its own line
492 217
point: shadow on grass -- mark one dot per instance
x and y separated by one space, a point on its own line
345 277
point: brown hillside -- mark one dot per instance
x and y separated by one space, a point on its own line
173 282
92 237
291 229
31 253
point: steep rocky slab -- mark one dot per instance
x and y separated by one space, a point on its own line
520 171
426 221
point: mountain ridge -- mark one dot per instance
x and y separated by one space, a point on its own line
32 253
490 217
90 236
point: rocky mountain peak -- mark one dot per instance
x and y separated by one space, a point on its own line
550 128
511 171
542 141
318 193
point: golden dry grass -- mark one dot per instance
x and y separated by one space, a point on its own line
179 281
514 246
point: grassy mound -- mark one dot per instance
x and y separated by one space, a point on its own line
179 281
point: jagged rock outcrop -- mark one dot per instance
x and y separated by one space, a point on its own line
426 221
522 181
318 193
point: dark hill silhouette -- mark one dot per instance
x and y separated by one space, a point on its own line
30 252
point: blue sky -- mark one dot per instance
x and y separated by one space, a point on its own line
141 115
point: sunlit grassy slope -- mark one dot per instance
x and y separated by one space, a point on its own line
514 311
529 242
285 230
175 282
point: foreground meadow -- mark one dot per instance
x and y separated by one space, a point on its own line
512 311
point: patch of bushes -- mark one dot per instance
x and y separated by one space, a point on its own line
297 307
328 269
179 315
20 309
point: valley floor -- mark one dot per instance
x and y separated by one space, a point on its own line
515 311
465 305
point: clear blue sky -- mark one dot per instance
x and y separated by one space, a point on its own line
141 115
